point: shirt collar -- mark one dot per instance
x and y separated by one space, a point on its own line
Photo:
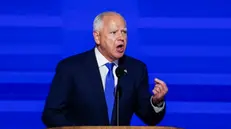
101 60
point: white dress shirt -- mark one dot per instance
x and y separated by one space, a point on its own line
101 60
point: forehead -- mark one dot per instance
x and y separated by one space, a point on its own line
114 21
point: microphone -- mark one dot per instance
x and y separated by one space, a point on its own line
120 72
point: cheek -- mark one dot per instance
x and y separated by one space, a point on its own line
110 40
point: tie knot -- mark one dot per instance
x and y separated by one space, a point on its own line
110 66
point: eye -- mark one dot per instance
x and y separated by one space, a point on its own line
113 32
124 31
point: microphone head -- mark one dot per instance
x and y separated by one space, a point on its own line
120 72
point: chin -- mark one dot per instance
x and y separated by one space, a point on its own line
119 55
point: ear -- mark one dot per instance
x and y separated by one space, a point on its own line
96 36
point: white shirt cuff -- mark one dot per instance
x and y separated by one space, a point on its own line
157 109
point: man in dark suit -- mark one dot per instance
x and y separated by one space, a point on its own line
83 88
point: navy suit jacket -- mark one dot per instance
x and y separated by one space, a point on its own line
76 95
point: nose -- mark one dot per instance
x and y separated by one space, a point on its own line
120 37
120 40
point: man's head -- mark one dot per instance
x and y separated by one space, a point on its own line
110 35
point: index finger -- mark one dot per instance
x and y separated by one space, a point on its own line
162 84
158 81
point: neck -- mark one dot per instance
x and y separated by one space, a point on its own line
105 54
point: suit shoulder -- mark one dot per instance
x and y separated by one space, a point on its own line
137 67
73 60
135 62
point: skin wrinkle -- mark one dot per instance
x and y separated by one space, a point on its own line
112 34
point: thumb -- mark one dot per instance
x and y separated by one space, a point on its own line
154 92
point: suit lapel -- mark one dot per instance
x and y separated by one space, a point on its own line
122 63
95 80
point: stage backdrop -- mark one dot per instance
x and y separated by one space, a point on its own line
185 43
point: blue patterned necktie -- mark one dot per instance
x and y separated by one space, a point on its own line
109 90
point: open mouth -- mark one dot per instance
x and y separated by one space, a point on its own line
120 48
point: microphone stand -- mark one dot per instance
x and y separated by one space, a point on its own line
120 72
117 102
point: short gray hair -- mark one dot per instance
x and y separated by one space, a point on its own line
98 21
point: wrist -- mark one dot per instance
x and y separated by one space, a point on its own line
158 103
